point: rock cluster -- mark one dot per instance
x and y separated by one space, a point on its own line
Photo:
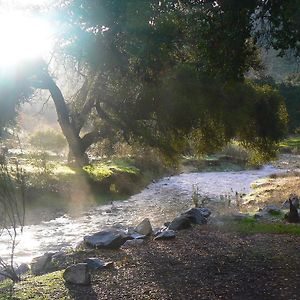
114 239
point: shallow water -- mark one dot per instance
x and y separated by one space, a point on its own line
160 201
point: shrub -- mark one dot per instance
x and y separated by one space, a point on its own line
48 140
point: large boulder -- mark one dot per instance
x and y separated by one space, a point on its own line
144 227
181 222
197 215
42 264
77 274
111 239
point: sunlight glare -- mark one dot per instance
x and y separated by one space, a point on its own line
23 38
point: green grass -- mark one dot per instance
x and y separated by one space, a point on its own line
105 169
291 142
252 226
45 287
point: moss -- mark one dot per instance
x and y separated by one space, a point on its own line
107 168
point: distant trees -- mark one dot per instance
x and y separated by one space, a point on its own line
166 73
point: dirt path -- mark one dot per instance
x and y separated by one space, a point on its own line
203 263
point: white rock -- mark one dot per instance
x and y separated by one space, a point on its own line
144 227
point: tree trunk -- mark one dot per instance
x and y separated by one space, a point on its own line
73 139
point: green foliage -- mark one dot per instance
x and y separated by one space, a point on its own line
170 74
280 25
48 140
291 142
291 92
106 169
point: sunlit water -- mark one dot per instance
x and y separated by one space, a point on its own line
160 201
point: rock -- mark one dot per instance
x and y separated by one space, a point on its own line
179 223
166 224
41 264
22 269
137 236
268 211
197 215
144 227
80 245
111 239
272 209
292 216
295 201
96 264
132 243
77 274
166 235
18 270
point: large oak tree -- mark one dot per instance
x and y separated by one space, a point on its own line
167 73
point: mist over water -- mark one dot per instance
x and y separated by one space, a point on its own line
160 202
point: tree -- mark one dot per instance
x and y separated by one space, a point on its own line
280 25
134 54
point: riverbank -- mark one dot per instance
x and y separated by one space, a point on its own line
160 202
56 189
201 263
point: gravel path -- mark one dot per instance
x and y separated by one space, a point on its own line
203 263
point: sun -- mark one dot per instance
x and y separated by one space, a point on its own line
23 38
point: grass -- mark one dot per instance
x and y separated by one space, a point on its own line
251 225
49 286
291 145
291 142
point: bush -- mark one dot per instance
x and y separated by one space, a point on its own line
236 151
48 140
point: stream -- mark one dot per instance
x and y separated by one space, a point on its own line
160 201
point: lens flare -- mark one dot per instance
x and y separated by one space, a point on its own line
23 38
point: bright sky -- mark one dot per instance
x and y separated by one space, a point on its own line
23 37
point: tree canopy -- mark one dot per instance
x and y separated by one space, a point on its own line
168 73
